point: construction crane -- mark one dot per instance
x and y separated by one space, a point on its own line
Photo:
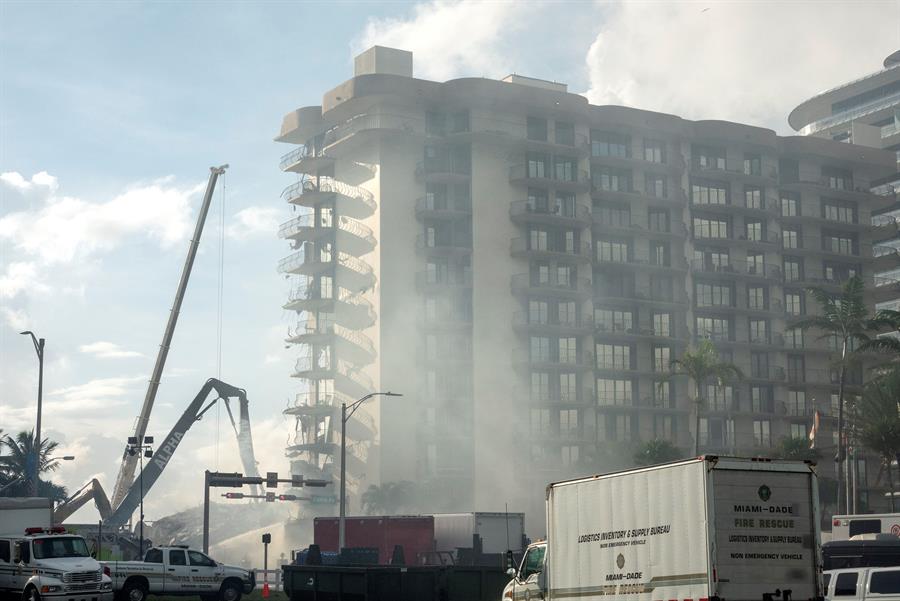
113 518
129 461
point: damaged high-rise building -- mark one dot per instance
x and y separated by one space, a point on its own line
523 265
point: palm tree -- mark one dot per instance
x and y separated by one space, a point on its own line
657 451
15 465
389 498
878 421
846 318
701 365
796 449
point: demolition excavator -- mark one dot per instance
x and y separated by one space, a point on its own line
127 494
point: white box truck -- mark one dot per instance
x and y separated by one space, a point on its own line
703 529
848 527
499 532
17 513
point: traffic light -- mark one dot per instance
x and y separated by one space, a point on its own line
233 495
266 538
270 497
287 497
271 479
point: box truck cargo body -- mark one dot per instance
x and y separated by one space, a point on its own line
18 513
845 527
499 532
705 528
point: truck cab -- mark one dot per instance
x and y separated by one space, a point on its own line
52 564
528 581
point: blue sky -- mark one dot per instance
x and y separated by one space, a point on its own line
111 113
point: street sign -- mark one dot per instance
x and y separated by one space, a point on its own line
323 499
271 479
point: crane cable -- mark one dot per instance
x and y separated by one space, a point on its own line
219 310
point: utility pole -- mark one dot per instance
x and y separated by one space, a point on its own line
34 461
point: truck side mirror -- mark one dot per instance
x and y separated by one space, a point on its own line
22 552
510 562
511 572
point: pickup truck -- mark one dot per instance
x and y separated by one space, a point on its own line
178 571
861 584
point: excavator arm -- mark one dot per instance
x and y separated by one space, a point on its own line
91 490
154 466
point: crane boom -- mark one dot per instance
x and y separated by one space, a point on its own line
126 471
154 467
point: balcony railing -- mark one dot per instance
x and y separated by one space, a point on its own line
306 363
449 205
363 122
522 245
424 242
308 221
574 177
328 185
525 280
526 207
524 318
461 277
298 154
737 268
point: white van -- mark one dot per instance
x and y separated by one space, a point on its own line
859 584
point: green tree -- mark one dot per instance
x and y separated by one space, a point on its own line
796 449
657 451
845 317
14 464
878 421
701 365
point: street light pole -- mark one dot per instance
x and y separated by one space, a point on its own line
343 501
36 442
143 450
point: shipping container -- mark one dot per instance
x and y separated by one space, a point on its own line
415 534
499 532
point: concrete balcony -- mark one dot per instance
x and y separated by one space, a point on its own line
601 263
354 346
355 465
673 167
351 310
349 234
454 279
524 284
577 146
581 253
350 272
737 269
360 129
766 176
525 211
440 171
305 159
360 427
443 246
579 326
431 208
347 376
524 362
352 201
578 181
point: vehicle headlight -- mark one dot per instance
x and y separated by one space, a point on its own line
106 586
50 588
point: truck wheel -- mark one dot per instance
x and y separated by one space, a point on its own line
230 592
31 594
134 591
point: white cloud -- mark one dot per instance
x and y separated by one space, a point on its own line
16 318
254 221
107 350
441 51
750 62
97 392
21 276
40 182
272 359
67 229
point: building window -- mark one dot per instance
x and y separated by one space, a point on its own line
566 312
565 133
706 193
753 197
614 392
654 151
796 403
838 244
540 422
655 185
664 427
790 238
837 179
840 272
794 338
537 129
710 228
707 157
659 254
607 144
538 165
569 455
756 264
752 164
658 220
842 212
662 324
568 422
565 169
537 239
540 386
761 399
613 356
720 398
540 349
662 394
661 287
717 432
611 251
793 303
759 331
568 388
713 295
713 328
756 297
611 180
755 231
568 350
793 269
762 432
662 357
614 320
614 428
790 205
613 215
796 368
798 431
326 287
538 312
759 365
